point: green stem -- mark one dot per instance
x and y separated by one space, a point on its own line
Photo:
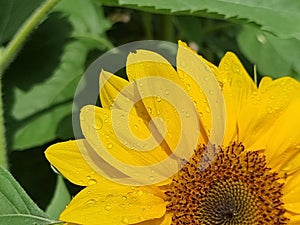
7 55
3 159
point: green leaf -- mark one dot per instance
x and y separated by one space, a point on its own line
16 207
273 56
278 16
42 127
60 199
40 84
13 14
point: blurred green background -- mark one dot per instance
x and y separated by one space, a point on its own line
39 85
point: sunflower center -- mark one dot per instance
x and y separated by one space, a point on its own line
235 188
228 202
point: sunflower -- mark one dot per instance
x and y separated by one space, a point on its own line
252 178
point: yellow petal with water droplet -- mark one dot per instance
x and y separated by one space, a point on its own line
237 88
110 87
283 144
262 111
118 144
106 203
67 158
145 64
193 70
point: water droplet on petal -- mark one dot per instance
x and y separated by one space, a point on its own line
187 114
207 109
98 124
125 220
109 145
122 205
109 196
149 110
107 207
91 203
188 87
158 98
269 109
167 92
92 182
140 193
211 92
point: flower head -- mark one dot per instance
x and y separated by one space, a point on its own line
251 177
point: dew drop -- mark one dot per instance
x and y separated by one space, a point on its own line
167 92
91 203
125 220
269 109
92 182
207 109
124 197
136 126
122 205
109 196
187 114
188 87
98 124
149 110
140 193
107 207
109 145
158 98
211 92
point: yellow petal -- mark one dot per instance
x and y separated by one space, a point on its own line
291 191
237 88
294 219
158 83
266 106
112 203
67 158
265 81
128 146
201 85
166 220
110 87
146 63
283 146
